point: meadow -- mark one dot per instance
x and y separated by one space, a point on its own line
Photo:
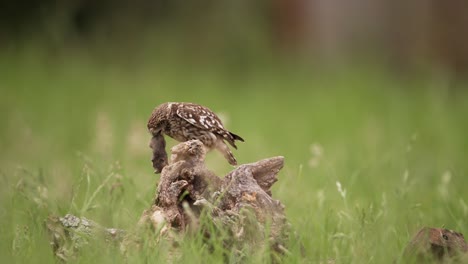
370 156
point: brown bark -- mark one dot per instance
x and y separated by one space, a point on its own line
437 244
240 203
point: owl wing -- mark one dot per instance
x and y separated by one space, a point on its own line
204 118
200 117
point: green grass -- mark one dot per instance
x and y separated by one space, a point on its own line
73 140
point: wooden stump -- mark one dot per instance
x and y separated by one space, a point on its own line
240 203
437 244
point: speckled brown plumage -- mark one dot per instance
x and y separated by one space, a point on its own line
187 121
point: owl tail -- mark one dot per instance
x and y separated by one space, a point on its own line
236 137
231 138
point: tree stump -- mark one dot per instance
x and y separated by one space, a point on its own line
437 244
240 203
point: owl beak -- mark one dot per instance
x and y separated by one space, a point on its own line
155 131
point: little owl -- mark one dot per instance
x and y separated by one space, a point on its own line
187 121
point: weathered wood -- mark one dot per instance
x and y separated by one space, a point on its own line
437 244
241 202
69 233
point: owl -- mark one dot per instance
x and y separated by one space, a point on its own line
187 121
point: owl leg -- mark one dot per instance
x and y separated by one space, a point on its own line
224 149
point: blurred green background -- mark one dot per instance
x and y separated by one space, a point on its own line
367 95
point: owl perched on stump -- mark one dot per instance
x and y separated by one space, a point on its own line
187 121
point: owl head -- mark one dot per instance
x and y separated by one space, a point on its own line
158 118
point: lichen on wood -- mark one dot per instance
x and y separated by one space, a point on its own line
70 233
